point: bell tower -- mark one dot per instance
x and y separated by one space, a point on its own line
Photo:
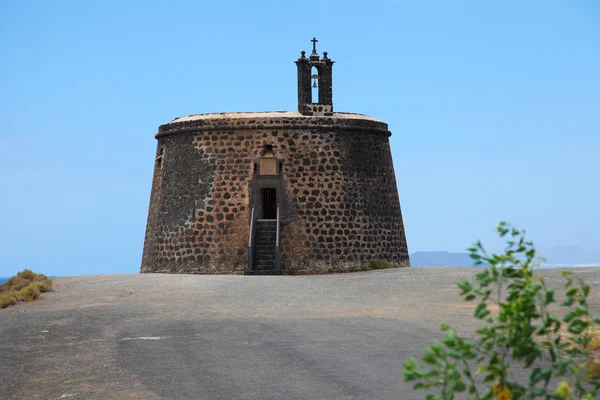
319 80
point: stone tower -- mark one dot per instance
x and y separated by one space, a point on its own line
312 191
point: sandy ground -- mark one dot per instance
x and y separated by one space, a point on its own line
151 336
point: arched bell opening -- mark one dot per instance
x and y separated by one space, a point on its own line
315 85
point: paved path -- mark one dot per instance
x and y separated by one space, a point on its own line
232 337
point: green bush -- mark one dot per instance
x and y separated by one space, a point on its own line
377 263
556 352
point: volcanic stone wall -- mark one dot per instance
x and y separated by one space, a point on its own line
340 206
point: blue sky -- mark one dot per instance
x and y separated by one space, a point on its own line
494 108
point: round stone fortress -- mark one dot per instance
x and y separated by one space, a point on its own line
312 191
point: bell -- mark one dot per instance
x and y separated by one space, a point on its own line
315 78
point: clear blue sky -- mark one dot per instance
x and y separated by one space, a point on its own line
494 108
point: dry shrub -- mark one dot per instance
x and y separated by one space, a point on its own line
13 284
592 365
595 342
27 274
28 293
125 293
593 368
41 286
22 279
7 300
32 276
25 286
593 331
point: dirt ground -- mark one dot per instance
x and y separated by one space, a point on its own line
152 336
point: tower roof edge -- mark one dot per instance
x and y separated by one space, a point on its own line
268 114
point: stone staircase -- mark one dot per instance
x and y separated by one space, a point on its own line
263 261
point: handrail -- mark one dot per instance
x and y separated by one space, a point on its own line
277 253
277 237
250 237
251 227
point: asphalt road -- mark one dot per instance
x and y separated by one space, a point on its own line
151 336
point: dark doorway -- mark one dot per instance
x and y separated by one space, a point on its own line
269 203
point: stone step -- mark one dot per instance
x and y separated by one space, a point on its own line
265 260
265 268
261 267
265 252
264 272
264 245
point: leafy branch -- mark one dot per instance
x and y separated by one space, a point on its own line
523 332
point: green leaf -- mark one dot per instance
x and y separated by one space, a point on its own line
571 292
569 316
568 301
459 386
481 311
429 358
542 331
577 326
449 341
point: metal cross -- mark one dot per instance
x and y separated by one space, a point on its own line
314 42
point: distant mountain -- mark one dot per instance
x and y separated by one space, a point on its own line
440 258
557 255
